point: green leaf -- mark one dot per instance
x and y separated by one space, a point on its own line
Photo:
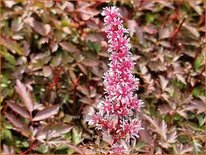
4 80
97 48
197 92
56 60
70 151
7 56
61 151
94 47
140 145
11 45
8 126
25 144
150 17
7 134
201 119
43 148
76 136
198 62
197 146
178 117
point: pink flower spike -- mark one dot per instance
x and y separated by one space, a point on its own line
117 111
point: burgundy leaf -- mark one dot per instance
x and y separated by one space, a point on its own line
164 33
56 130
145 135
90 62
163 82
46 113
107 138
75 148
192 30
134 28
151 29
17 123
37 26
196 105
86 12
11 44
24 95
8 150
53 46
196 5
82 68
47 71
69 47
18 109
83 89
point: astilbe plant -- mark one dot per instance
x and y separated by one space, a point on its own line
117 112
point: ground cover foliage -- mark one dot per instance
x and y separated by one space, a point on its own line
53 57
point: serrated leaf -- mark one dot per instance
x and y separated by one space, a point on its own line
182 149
46 113
18 109
145 135
161 129
24 95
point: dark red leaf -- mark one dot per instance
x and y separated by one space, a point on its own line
24 95
46 113
18 109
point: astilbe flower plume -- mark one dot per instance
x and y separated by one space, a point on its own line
120 105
